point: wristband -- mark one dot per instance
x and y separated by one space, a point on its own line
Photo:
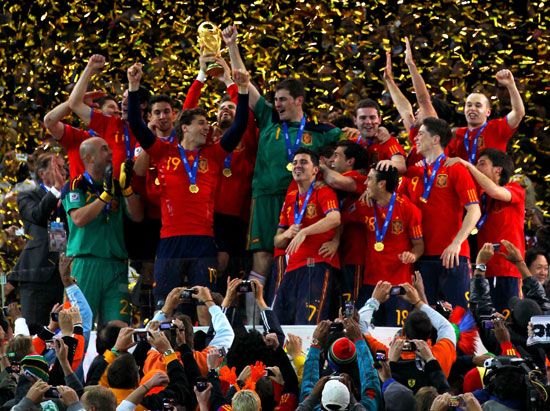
115 351
127 192
414 305
105 197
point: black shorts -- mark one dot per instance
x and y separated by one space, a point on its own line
230 234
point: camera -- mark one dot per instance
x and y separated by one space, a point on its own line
245 287
409 346
202 384
269 373
52 393
336 327
487 321
454 401
397 290
140 335
496 247
54 317
222 352
349 308
5 311
442 309
187 294
168 404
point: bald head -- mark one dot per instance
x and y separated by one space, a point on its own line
95 153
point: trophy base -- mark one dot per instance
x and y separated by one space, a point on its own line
214 70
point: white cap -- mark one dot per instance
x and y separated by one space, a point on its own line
335 395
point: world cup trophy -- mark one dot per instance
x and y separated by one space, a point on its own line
210 41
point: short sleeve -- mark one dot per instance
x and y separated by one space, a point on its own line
283 216
464 185
328 200
414 222
517 192
74 199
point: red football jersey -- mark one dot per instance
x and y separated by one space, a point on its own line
442 215
183 212
384 151
322 201
71 140
504 221
495 135
405 225
353 239
112 129
234 192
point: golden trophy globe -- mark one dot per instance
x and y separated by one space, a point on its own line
210 41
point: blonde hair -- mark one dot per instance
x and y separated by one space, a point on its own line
246 400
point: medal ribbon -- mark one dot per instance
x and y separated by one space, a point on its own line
291 150
227 161
473 153
299 213
97 191
129 149
381 234
483 211
191 172
428 183
170 138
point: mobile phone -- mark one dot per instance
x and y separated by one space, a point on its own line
5 311
54 317
336 327
397 290
165 325
487 321
140 335
168 404
50 344
454 401
245 287
349 308
30 376
269 373
202 384
496 247
222 352
409 346
187 294
52 393
380 357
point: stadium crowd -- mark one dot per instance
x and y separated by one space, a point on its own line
266 217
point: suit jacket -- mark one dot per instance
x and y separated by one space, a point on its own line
36 263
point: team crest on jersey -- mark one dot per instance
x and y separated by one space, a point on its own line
481 143
311 211
397 227
307 139
442 180
74 197
411 382
203 165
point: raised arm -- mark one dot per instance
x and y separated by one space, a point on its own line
514 117
229 35
76 99
231 138
143 134
401 103
425 107
52 120
492 189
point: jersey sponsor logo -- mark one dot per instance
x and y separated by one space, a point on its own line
397 227
307 139
203 165
441 180
311 211
74 197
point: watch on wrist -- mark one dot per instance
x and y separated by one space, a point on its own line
315 341
168 352
481 267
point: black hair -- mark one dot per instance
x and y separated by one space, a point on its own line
106 337
123 372
327 150
161 98
144 95
390 176
312 155
344 121
186 118
226 97
294 87
355 151
247 348
368 103
439 127
500 159
42 163
418 326
102 100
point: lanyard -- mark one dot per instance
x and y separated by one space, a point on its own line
290 150
227 161
473 153
88 178
380 234
299 213
428 183
191 172
170 138
483 211
129 149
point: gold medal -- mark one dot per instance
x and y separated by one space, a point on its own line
423 200
157 182
379 246
289 167
227 172
474 231
194 188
